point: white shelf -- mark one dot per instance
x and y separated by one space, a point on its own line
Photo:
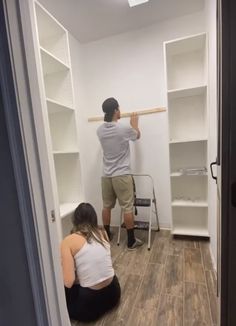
186 44
52 35
189 203
176 174
186 62
190 231
190 154
180 174
58 87
187 92
188 115
191 220
66 152
191 187
51 64
56 107
178 141
63 132
68 177
67 209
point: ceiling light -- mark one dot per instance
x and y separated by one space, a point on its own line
133 3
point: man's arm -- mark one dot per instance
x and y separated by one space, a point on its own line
134 123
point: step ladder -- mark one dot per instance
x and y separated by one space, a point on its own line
150 203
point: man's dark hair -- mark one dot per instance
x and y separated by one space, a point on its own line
109 106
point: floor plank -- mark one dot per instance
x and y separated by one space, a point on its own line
193 268
164 233
211 286
121 273
160 250
196 305
173 276
131 259
116 250
176 247
206 256
97 323
170 311
143 317
120 315
191 243
150 288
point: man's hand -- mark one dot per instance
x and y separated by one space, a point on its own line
134 123
134 120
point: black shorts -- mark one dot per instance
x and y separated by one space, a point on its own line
85 304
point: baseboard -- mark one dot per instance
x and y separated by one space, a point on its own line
213 259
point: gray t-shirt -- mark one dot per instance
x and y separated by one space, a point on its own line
114 138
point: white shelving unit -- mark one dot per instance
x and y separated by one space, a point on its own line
61 115
186 76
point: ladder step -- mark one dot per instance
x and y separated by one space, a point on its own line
140 225
142 202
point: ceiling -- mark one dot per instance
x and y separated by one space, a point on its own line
90 20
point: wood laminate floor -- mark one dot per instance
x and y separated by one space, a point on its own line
173 284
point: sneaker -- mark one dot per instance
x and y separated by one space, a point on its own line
136 244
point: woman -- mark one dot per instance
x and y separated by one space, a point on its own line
90 283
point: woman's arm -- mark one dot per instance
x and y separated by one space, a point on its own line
68 264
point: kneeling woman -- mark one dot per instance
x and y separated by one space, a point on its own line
90 283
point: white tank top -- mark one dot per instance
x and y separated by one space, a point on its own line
93 263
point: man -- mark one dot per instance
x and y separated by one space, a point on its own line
117 181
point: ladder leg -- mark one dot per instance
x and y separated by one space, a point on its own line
150 227
119 230
155 208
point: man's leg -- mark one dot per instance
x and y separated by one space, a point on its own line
129 224
129 220
132 242
106 218
109 200
123 187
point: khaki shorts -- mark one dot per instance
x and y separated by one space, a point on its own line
120 187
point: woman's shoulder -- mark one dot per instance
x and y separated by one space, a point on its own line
74 241
74 236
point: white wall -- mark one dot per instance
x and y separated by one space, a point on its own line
212 97
130 67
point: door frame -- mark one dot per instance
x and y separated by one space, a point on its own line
227 155
22 57
21 42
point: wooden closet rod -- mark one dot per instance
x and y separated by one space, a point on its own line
128 114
